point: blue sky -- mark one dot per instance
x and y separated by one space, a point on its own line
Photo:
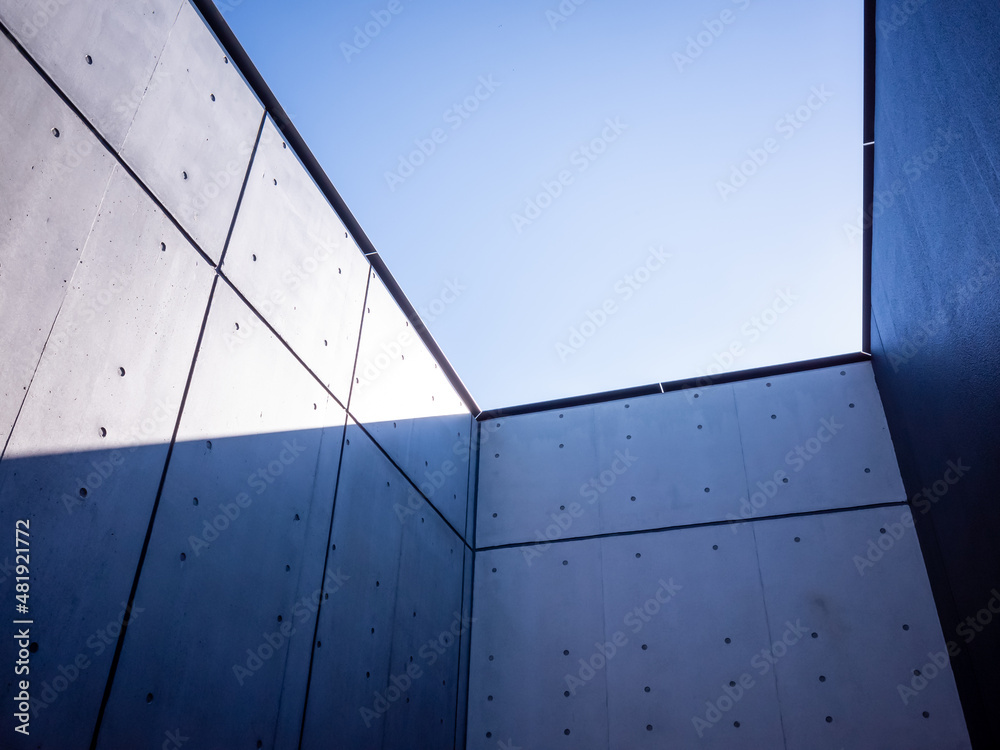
587 197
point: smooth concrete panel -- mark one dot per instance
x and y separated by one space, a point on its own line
352 657
465 652
657 626
470 511
385 664
536 617
234 574
396 375
429 628
642 463
434 452
815 440
403 398
688 607
936 305
291 256
873 671
669 460
532 469
88 450
100 54
192 136
50 190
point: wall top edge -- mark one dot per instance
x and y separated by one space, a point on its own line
218 25
705 381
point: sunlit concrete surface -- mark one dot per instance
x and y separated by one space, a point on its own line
257 508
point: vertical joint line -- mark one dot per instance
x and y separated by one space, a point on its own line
243 189
149 527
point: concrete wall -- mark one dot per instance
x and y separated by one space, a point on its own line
935 307
251 489
730 566
214 416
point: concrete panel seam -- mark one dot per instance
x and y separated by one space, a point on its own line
326 562
736 376
69 285
243 189
361 330
107 146
743 455
149 527
770 630
218 26
725 522
222 275
461 639
472 495
166 41
398 468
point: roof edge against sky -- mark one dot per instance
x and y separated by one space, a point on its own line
705 381
239 56
220 27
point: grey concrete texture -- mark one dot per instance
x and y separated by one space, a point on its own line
101 58
291 256
172 436
387 672
87 451
193 133
771 633
936 306
243 444
794 443
50 189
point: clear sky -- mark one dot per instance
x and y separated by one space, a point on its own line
587 195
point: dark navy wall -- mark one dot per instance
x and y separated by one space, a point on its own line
935 305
